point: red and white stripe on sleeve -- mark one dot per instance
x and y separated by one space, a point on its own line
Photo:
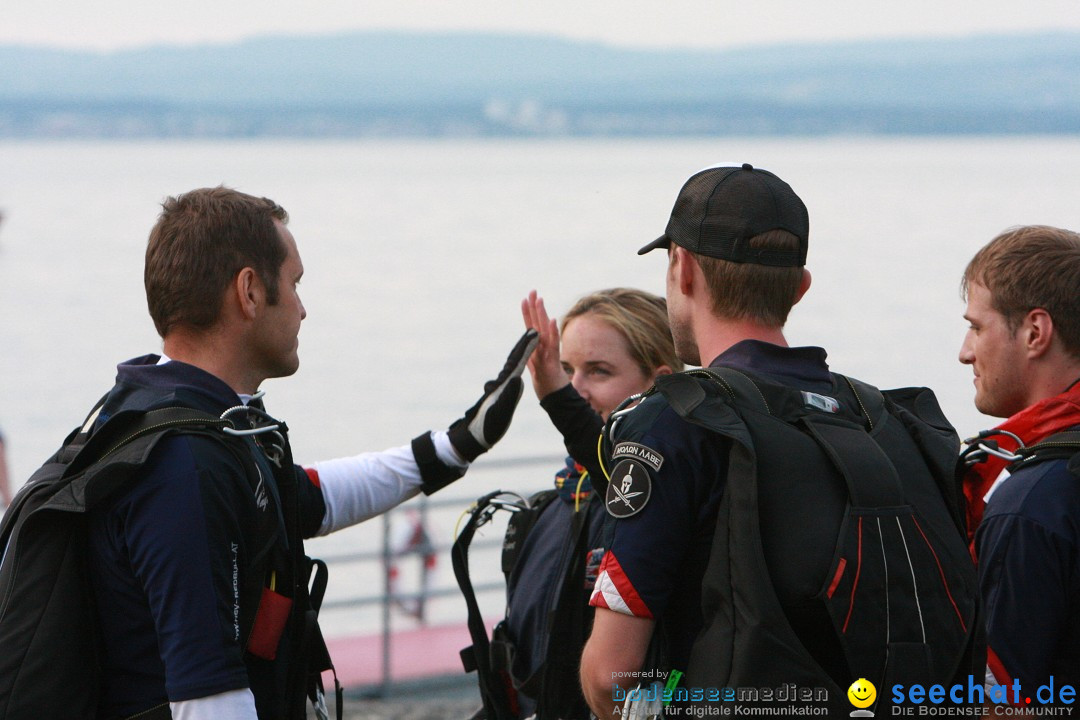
614 591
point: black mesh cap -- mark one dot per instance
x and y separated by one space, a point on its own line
720 208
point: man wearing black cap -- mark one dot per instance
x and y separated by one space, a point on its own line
736 243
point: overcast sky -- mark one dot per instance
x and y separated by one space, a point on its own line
112 24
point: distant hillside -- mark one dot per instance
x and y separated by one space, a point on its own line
411 83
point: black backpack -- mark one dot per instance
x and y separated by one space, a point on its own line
49 667
50 663
840 549
554 684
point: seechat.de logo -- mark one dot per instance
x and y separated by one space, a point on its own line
862 694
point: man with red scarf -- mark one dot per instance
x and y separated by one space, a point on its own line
1023 344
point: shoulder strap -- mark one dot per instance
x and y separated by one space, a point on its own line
705 397
1067 441
742 389
685 394
870 400
122 444
95 445
495 691
1059 446
872 480
113 442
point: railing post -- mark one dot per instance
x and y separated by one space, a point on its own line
426 508
421 601
384 690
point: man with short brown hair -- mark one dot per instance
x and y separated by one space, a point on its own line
1023 344
201 239
197 569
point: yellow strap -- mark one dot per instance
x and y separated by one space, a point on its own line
600 456
463 514
577 492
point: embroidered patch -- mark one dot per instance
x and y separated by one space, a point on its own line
629 489
638 452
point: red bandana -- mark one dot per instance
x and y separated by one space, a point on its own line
1032 424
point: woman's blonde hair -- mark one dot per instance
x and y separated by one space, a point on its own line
640 317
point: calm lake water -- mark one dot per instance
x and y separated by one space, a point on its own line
417 254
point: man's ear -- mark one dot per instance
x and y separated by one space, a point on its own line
248 291
1038 329
683 265
804 285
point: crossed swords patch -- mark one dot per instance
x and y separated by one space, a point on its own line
628 490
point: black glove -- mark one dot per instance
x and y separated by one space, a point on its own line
483 424
488 420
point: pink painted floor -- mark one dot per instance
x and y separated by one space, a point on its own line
414 654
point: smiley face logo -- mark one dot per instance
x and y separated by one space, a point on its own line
862 693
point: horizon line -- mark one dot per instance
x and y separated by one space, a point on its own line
840 40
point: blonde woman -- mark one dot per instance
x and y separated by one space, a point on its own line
611 344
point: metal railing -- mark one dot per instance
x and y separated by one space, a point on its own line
385 556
